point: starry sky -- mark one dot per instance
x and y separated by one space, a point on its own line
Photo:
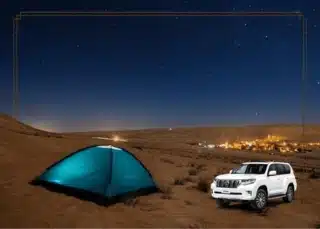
100 73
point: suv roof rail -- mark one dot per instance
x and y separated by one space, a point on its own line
258 161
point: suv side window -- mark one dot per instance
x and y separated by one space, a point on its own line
280 169
287 169
272 167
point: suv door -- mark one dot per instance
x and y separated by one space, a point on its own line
281 172
283 175
273 181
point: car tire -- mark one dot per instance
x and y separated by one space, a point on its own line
289 194
221 203
260 201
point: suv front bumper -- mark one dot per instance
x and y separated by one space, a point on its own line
242 193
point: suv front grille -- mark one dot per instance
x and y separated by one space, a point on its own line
227 183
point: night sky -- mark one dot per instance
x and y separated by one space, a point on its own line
81 73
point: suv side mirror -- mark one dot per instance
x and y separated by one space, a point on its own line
272 173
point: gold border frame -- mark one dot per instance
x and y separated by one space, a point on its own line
18 17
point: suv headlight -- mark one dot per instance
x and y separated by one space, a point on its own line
247 181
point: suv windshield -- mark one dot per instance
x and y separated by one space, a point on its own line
250 169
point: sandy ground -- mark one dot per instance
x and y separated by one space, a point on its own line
176 164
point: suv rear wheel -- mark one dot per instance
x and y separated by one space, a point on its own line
260 202
289 194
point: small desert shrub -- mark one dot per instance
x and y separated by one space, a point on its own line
179 181
193 143
192 172
165 189
264 212
166 192
189 179
166 197
314 174
195 226
137 147
201 167
195 169
188 202
132 202
203 185
166 160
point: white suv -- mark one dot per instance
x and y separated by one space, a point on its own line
255 183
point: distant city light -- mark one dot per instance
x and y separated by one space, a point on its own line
115 138
269 143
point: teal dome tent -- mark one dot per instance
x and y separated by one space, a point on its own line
99 174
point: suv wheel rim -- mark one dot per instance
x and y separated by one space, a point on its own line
260 200
290 193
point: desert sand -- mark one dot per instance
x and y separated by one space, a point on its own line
181 170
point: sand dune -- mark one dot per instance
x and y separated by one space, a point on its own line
8 123
169 155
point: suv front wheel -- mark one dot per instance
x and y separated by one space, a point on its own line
260 202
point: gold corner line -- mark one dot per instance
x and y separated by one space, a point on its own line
165 12
137 13
17 18
117 15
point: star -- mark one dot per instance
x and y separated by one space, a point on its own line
290 24
261 9
245 24
314 10
233 8
78 46
266 37
314 26
249 6
185 2
177 18
318 82
236 43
